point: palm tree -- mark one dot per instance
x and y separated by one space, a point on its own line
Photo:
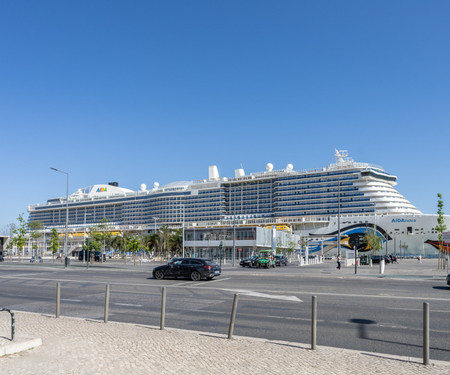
133 243
176 240
164 236
118 243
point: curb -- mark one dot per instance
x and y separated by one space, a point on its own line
19 345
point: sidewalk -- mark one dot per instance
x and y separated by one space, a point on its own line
405 268
79 346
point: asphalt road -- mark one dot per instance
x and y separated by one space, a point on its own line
357 312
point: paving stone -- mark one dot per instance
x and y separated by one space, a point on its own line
80 346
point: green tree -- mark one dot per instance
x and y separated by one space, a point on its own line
440 228
152 243
54 243
35 231
102 235
373 240
20 234
118 243
164 237
176 241
133 243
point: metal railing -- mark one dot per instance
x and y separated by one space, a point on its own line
425 332
13 322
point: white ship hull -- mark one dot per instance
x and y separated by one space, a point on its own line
404 235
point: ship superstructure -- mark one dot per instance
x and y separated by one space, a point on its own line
313 203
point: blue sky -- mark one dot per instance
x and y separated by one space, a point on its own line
145 91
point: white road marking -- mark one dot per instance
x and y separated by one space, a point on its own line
264 295
70 300
127 304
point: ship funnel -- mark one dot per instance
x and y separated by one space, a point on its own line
239 173
213 172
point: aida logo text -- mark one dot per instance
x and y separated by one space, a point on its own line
403 220
102 189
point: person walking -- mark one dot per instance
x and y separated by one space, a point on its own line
338 262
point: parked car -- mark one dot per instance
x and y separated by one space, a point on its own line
193 268
280 260
249 262
448 279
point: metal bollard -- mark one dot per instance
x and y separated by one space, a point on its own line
233 316
163 308
106 303
426 334
58 299
314 323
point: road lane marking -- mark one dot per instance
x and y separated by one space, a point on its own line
252 293
128 304
70 300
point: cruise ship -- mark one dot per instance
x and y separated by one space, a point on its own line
340 202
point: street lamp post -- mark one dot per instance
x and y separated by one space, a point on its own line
339 219
67 215
155 219
183 229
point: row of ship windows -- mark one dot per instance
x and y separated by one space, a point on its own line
336 182
324 174
320 206
315 191
316 196
324 212
313 199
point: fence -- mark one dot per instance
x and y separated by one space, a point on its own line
232 322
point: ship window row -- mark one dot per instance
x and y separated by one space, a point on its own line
324 188
239 190
329 182
252 196
321 203
307 196
350 174
249 189
322 212
347 198
379 176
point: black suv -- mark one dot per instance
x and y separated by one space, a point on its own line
193 268
249 262
280 260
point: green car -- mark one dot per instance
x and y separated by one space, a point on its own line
266 259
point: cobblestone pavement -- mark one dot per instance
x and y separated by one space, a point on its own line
78 346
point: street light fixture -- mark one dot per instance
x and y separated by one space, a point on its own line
66 260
